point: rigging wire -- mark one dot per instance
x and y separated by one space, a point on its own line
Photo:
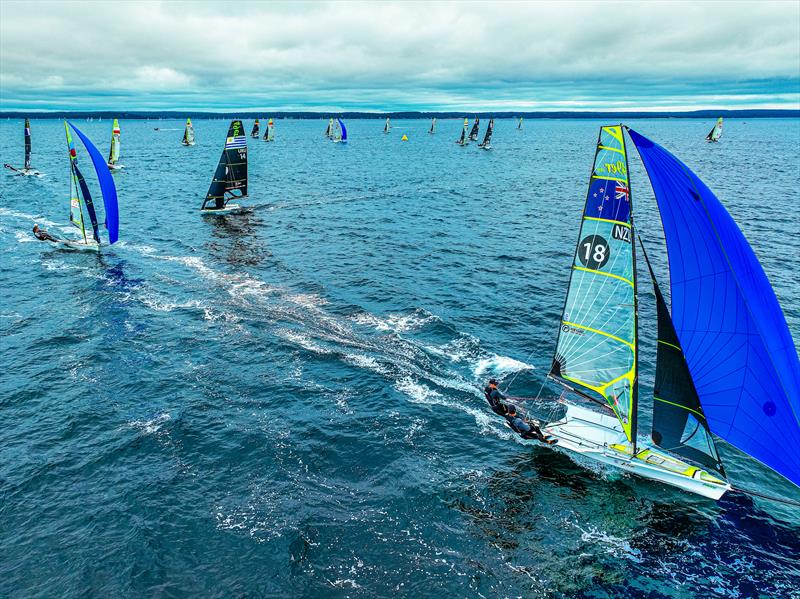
752 493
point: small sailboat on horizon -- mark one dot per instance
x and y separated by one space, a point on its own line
269 134
473 135
27 170
725 360
340 134
487 139
716 131
230 178
388 126
114 150
81 197
188 134
519 124
329 130
256 132
462 140
432 130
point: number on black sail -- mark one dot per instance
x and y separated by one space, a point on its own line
230 178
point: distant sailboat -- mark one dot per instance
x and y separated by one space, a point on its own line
463 141
432 130
329 130
716 132
388 126
80 197
113 152
188 134
340 135
269 134
230 178
725 360
486 145
27 170
473 135
255 132
519 124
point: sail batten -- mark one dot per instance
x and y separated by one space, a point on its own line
597 343
737 344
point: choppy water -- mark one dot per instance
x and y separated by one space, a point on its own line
285 402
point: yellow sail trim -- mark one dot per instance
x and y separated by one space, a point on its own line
604 334
611 149
615 132
680 406
602 390
671 345
607 178
605 274
607 220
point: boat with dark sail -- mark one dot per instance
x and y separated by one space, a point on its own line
256 132
519 124
487 138
462 140
81 197
269 134
387 126
27 170
114 150
432 130
473 134
726 364
188 134
329 130
716 131
340 134
230 178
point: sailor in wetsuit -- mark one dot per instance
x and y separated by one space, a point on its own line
494 396
43 235
526 428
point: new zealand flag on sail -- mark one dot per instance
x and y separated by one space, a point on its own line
608 199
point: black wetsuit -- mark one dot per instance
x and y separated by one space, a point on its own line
495 397
43 235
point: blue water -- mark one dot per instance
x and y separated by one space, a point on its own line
286 401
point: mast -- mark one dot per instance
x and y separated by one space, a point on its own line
27 144
230 178
596 352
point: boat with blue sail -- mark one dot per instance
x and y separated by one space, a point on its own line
230 178
27 170
81 199
340 135
726 365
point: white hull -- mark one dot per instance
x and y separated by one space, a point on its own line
187 144
599 437
115 167
229 209
485 146
79 244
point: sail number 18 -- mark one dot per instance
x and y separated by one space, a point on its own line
593 251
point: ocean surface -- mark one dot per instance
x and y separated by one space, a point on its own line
286 402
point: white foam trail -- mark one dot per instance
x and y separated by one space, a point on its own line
398 323
499 366
149 427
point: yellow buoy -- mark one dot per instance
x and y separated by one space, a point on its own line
404 138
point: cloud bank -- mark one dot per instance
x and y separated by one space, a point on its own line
399 56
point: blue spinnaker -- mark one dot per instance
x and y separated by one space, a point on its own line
107 187
736 341
344 130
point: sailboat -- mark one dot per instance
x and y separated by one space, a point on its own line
255 132
716 132
388 126
473 135
519 124
113 152
27 170
80 197
269 134
230 178
432 130
329 130
188 134
725 360
462 140
340 135
487 139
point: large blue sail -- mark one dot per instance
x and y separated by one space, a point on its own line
736 341
107 187
344 130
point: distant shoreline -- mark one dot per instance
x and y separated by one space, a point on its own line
314 115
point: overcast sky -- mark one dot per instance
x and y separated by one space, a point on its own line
399 55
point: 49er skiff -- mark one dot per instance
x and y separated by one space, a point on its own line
230 178
725 360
